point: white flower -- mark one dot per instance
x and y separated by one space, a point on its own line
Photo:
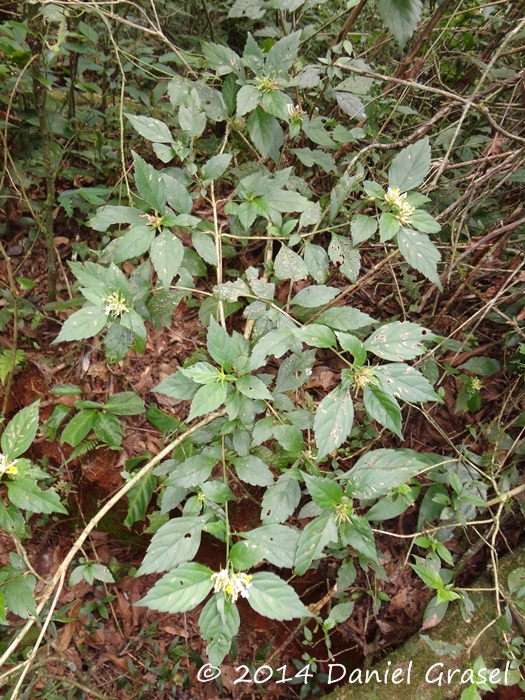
116 304
403 211
232 584
8 465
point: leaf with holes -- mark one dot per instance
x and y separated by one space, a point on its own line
181 590
343 253
400 340
173 544
380 471
406 383
20 432
280 501
333 421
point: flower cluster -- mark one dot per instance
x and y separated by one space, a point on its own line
232 584
116 304
403 211
8 466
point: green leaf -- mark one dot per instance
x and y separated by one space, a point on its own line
482 366
150 129
406 383
315 295
173 544
315 131
401 17
388 226
220 345
275 343
192 472
400 340
150 184
290 438
108 428
207 399
222 59
314 538
271 597
382 407
216 166
177 195
219 626
167 253
340 193
66 390
108 216
25 494
247 100
78 427
125 403
363 228
428 575
419 251
84 323
422 221
318 157
411 165
343 253
201 372
380 471
280 501
280 58
353 345
358 534
253 387
316 260
286 201
275 543
345 318
19 597
20 432
177 386
265 133
205 247
253 471
325 492
12 521
289 266
316 335
333 421
181 590
139 497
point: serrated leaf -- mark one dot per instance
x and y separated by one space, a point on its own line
280 58
353 345
333 421
400 340
108 216
316 260
419 251
363 228
482 366
125 403
406 383
340 193
388 227
382 407
290 438
380 471
177 386
177 195
358 534
275 543
316 335
422 221
181 590
213 622
20 432
325 492
275 343
401 17
280 501
253 387
192 472
220 345
84 323
205 247
150 184
265 133
343 253
247 99
25 494
315 295
314 538
139 497
345 318
289 266
19 597
411 165
174 544
350 104
271 597
253 471
207 399
167 253
150 129
216 166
